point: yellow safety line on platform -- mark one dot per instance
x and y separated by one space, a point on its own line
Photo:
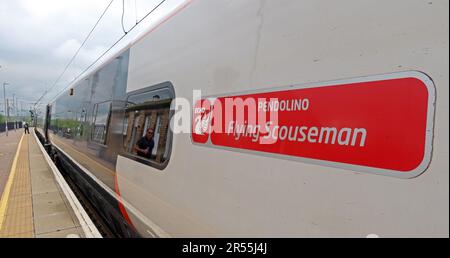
6 192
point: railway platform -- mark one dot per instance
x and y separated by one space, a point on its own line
36 202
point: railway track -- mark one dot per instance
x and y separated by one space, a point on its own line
102 227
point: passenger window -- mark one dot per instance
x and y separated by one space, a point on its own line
101 116
147 134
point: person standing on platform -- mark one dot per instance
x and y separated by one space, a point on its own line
25 127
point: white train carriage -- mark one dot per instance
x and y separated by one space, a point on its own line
375 74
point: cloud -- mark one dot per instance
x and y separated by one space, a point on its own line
38 38
67 49
86 55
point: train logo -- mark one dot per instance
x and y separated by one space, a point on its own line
202 121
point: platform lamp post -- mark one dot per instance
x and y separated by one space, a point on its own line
14 111
6 107
16 125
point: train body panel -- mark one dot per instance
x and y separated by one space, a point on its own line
228 47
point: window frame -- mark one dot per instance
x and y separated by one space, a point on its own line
169 140
94 119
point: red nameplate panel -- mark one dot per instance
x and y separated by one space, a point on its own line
380 124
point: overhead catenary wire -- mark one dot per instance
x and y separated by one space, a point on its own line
76 53
135 10
104 53
123 14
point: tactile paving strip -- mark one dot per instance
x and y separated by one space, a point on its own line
18 221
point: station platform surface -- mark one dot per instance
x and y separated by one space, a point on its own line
33 203
8 147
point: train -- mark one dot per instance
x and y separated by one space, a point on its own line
343 129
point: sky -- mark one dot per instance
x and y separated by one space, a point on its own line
38 39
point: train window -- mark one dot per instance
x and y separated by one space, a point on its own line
149 110
100 116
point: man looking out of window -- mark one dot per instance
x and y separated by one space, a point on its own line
145 145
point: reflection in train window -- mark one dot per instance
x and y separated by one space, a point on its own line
100 116
149 110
